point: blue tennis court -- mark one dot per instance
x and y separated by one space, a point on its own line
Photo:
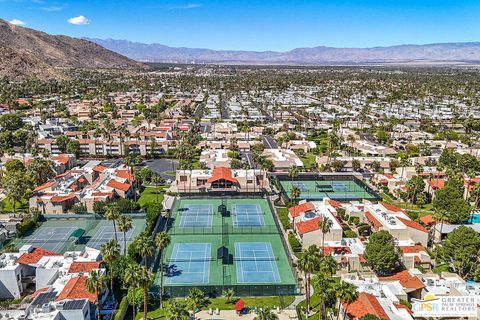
300 185
189 264
256 263
196 215
338 186
247 215
106 233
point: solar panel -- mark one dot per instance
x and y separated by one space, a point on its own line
74 304
44 297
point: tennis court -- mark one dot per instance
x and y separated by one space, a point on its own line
63 233
196 215
247 214
105 233
189 264
347 190
50 238
256 263
220 256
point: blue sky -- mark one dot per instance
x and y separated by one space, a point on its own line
255 25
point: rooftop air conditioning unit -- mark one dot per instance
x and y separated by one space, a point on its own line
46 308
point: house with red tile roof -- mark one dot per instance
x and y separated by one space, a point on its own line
369 304
411 284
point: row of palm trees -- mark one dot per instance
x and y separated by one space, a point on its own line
318 270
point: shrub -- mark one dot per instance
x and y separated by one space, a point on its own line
349 234
354 220
294 243
121 308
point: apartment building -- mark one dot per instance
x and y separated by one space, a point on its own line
283 159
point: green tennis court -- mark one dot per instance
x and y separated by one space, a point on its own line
74 233
252 261
344 190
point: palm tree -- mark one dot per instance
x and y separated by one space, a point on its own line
96 283
162 241
229 294
177 310
346 293
195 298
112 213
265 314
156 179
145 247
110 253
308 263
145 280
325 225
131 278
328 265
323 285
476 195
125 223
295 193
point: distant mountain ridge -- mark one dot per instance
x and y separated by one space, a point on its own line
26 52
464 52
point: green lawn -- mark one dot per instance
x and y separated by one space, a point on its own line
149 194
315 304
422 211
221 304
441 268
6 206
309 161
283 215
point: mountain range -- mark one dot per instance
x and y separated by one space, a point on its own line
438 53
26 52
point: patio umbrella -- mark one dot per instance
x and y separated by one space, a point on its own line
239 305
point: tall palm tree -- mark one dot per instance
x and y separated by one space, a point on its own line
295 193
293 173
324 288
196 298
96 283
265 314
328 265
346 293
131 279
125 223
156 179
308 263
162 241
145 247
325 225
145 280
112 213
110 253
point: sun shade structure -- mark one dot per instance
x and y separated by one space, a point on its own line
222 253
239 305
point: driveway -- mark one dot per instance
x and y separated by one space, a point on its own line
269 142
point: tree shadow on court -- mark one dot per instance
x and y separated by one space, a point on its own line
172 270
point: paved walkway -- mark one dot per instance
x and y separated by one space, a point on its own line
232 315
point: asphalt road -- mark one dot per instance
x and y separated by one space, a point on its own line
269 142
161 166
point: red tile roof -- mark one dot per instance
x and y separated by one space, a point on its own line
35 256
335 203
301 208
401 306
118 185
373 220
58 199
337 250
222 173
39 291
365 304
77 289
62 158
308 226
99 168
125 174
406 280
44 186
388 175
436 183
413 224
413 249
390 207
428 220
78 267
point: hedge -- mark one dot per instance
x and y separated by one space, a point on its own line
294 243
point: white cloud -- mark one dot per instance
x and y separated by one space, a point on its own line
80 20
53 8
186 6
17 22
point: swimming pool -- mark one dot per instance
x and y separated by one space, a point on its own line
475 218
